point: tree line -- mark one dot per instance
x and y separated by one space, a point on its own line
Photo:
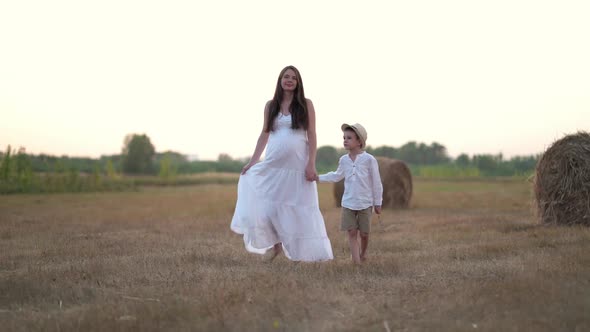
138 164
428 159
20 171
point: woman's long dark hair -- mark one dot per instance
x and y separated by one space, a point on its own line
298 107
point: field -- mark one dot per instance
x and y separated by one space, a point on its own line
467 256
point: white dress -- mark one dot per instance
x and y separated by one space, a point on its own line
277 204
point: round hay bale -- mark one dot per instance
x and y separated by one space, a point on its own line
397 184
338 191
562 181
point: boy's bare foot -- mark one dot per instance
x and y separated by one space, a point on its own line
354 262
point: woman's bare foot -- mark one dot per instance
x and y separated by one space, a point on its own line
269 255
272 253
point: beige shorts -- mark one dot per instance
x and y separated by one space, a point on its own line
356 219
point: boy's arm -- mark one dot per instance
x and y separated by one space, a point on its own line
333 176
377 186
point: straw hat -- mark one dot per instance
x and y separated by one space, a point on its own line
359 130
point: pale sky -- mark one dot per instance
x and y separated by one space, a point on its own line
476 76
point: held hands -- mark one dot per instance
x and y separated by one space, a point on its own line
310 173
378 209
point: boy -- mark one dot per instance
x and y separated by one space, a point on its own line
363 190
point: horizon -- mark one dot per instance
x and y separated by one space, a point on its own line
195 157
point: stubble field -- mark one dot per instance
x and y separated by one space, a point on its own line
467 256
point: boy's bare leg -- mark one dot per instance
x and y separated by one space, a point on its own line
364 245
353 242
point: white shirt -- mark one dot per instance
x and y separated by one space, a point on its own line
362 182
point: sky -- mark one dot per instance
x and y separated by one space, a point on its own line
478 77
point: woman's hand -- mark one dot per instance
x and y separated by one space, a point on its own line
378 209
247 167
310 173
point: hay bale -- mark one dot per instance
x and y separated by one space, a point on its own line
397 184
562 181
338 191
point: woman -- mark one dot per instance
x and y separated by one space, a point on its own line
277 208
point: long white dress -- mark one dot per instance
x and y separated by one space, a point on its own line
277 204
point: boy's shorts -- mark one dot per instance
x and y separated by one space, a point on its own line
356 219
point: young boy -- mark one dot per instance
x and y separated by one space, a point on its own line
362 189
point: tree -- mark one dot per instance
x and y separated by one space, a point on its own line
6 165
487 163
438 153
224 157
327 157
385 151
409 153
462 160
175 158
524 164
138 154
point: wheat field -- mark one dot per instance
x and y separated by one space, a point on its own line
467 256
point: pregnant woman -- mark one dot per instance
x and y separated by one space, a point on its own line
277 208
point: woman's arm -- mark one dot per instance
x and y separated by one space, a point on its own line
261 143
310 170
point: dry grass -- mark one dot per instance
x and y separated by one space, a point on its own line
467 256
